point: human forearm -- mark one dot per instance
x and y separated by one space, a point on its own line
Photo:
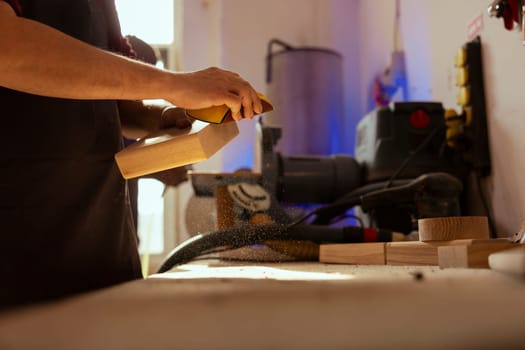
139 119
40 60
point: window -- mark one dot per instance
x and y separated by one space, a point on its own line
153 22
150 20
151 216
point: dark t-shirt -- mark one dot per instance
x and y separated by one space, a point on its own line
64 209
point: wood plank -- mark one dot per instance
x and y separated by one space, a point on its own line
174 147
354 254
394 253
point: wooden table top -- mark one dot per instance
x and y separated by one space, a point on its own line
217 305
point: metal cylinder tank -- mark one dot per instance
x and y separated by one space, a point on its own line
305 86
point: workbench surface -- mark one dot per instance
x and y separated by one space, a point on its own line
217 305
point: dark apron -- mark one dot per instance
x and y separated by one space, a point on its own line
66 225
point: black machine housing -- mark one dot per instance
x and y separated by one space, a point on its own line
395 145
388 136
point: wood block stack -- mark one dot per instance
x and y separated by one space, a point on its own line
444 242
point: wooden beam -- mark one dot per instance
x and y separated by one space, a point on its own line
174 147
353 254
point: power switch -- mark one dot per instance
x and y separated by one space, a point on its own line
419 119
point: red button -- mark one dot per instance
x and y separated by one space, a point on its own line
419 119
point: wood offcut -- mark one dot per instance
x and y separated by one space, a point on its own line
451 228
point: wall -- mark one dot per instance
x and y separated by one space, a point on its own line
433 30
233 34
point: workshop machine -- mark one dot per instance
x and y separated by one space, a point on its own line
403 170
397 146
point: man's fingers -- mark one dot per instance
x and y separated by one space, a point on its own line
215 87
247 107
234 104
257 103
247 104
174 117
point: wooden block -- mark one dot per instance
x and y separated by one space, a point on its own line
411 253
174 147
224 208
426 253
353 253
453 228
473 256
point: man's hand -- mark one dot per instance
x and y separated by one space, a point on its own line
216 87
171 177
139 120
172 116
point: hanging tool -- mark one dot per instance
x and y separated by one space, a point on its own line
393 82
511 11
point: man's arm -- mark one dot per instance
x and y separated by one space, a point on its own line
38 59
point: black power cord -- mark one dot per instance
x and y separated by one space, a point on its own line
416 151
484 202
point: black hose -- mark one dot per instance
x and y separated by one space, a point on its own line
247 235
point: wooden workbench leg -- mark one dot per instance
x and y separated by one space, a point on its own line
224 207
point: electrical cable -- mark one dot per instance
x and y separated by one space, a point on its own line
418 149
353 198
326 213
484 202
345 202
348 216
